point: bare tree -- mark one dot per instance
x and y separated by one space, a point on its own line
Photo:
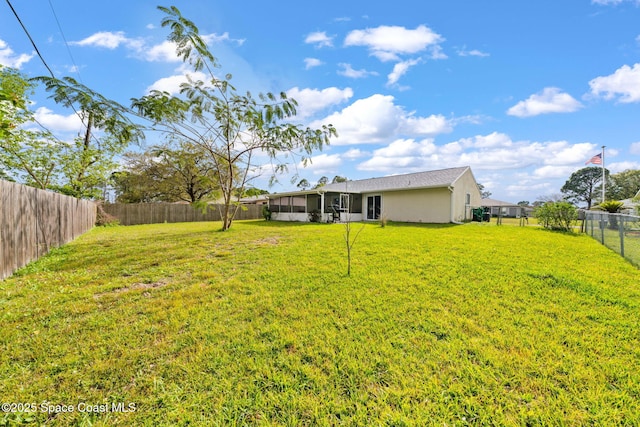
350 235
233 129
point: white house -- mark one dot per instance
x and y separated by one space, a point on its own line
440 196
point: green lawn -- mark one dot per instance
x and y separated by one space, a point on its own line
437 325
611 237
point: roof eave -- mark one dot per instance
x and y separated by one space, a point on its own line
296 193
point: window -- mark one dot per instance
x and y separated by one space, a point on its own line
288 204
298 204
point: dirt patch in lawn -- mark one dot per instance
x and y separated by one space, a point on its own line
135 286
268 241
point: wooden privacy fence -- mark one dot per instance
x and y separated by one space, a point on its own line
155 213
34 221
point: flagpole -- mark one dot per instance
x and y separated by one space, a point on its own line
603 177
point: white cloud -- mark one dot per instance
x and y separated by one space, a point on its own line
106 39
399 70
310 101
369 120
348 71
623 166
172 84
493 152
407 148
391 164
567 154
430 125
354 153
319 39
324 164
214 38
474 120
163 52
551 172
473 52
8 57
377 119
451 148
499 158
526 186
58 122
635 148
401 153
437 53
311 63
388 42
550 100
614 2
625 82
166 51
493 140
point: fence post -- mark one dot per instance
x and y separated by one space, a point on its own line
621 231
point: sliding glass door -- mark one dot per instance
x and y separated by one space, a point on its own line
374 204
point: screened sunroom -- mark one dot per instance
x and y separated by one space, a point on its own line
316 206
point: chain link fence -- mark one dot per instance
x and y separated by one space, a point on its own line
618 232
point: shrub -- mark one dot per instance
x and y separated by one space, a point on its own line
315 215
104 219
266 213
557 215
383 220
611 206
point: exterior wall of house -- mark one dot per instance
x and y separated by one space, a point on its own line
423 205
466 184
430 205
290 216
353 217
303 217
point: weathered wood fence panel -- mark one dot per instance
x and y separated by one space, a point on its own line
33 221
156 213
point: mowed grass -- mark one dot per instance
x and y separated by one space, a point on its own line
438 325
630 243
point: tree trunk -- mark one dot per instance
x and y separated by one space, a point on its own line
226 217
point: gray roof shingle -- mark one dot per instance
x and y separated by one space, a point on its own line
429 179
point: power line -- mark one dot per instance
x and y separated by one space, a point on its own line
30 39
76 68
49 69
33 43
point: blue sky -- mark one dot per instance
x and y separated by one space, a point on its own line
523 92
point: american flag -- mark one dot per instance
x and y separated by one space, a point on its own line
596 160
